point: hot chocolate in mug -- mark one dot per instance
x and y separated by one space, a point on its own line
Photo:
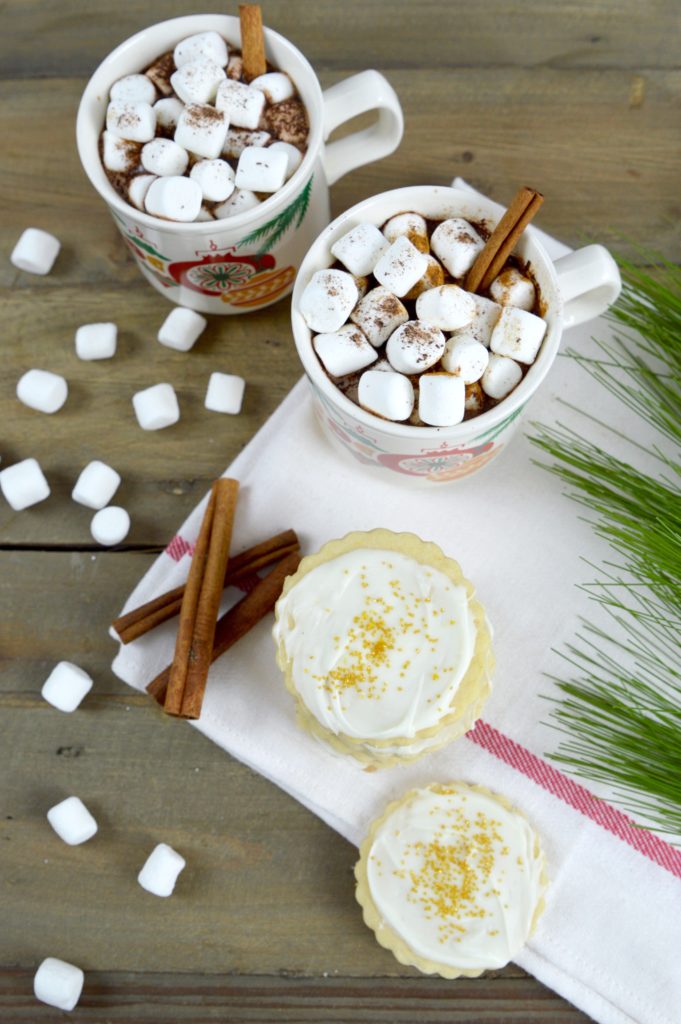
249 260
573 289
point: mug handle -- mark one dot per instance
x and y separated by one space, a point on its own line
589 282
368 90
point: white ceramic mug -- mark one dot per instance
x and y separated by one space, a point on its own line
249 260
573 289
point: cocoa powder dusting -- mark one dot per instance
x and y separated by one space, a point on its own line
288 121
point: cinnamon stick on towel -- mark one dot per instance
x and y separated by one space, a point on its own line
503 239
252 41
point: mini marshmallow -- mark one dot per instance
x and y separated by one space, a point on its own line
204 214
483 323
156 407
411 226
360 249
72 821
344 351
456 243
241 104
447 307
181 328
441 399
164 157
133 121
294 157
434 277
511 288
239 202
475 398
197 81
276 86
500 377
235 66
173 198
42 390
362 285
24 484
400 266
96 341
138 188
390 395
35 251
96 485
465 358
415 347
201 129
378 314
66 686
225 393
215 178
236 141
58 983
518 334
261 170
119 154
110 525
159 73
327 300
133 89
160 871
168 112
201 46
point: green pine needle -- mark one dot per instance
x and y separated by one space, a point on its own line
620 710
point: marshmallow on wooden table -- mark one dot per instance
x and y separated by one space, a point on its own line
327 300
173 198
181 328
24 484
201 129
119 155
197 81
160 871
434 277
378 314
360 249
156 407
138 188
133 89
241 200
36 251
415 347
294 157
201 46
441 399
400 266
42 390
276 85
215 178
164 157
447 307
237 140
390 395
465 358
344 351
518 334
511 288
225 393
58 983
96 341
500 377
72 821
133 121
168 112
410 225
66 686
96 485
261 170
456 243
110 525
241 104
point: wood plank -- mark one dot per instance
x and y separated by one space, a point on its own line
580 34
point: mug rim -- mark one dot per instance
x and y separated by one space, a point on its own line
476 425
101 80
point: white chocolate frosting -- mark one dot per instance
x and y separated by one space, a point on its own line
458 875
377 643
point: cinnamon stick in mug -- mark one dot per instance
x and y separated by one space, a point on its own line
252 41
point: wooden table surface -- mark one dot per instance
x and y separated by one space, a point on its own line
579 99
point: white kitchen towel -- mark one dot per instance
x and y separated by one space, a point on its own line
610 938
